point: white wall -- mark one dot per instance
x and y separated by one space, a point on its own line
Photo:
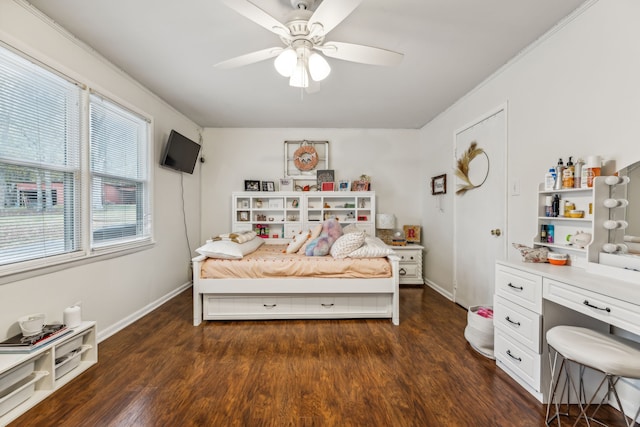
233 155
116 290
575 93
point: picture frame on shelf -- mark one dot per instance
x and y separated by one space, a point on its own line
251 185
344 185
412 233
439 184
360 186
286 184
328 186
244 216
325 175
268 186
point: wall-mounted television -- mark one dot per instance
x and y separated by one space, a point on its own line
180 153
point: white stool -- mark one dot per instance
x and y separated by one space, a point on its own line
615 357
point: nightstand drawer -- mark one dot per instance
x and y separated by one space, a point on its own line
408 271
409 255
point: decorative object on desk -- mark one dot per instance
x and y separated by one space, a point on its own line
344 185
32 324
532 254
251 185
302 158
398 238
26 344
286 184
385 224
412 233
328 186
439 184
463 170
556 258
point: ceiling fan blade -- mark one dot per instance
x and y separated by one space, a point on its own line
259 16
360 53
332 12
249 58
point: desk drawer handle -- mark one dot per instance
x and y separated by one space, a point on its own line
607 309
269 306
519 359
327 305
518 288
512 322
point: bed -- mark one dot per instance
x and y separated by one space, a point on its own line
239 290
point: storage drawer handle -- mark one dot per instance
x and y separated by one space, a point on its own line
269 306
519 359
518 288
512 322
402 272
327 305
607 309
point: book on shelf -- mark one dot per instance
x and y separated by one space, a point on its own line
21 344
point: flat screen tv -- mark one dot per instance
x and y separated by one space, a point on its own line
181 153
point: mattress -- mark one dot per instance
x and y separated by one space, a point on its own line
270 261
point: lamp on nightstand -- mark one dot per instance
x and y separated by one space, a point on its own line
385 224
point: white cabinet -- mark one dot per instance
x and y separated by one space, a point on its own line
410 270
284 214
564 225
27 379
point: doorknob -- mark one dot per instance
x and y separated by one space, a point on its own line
496 232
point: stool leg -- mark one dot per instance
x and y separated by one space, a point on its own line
553 387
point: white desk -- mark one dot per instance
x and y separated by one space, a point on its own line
523 313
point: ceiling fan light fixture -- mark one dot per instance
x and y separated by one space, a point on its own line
300 75
318 67
286 62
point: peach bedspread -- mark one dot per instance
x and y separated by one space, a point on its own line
269 261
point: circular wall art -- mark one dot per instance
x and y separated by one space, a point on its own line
463 170
305 158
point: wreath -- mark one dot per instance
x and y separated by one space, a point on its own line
305 158
462 171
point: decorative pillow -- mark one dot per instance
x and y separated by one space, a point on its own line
315 232
351 228
226 249
298 240
346 244
331 230
532 254
373 247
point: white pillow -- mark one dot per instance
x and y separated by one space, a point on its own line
373 247
315 232
226 249
346 244
351 228
298 240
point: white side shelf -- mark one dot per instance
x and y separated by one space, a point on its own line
39 369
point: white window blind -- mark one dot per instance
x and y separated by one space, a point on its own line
119 174
40 185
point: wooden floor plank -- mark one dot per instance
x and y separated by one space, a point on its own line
162 371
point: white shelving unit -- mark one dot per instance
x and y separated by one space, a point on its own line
27 379
563 225
285 214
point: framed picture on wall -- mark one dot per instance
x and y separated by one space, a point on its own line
439 184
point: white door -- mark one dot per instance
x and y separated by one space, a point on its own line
480 213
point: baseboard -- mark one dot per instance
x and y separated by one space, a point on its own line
118 326
438 289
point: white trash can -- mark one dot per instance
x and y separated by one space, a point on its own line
479 330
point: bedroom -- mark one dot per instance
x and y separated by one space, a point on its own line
560 92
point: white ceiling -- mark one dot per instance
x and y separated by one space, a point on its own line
170 46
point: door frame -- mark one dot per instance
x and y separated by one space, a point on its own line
492 112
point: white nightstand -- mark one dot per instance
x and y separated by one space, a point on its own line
410 264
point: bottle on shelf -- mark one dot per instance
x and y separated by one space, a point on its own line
555 205
594 163
559 171
550 233
567 174
543 233
548 206
549 179
577 178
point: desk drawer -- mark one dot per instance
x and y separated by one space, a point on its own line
524 362
517 322
607 309
523 288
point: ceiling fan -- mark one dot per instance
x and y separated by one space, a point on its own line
301 59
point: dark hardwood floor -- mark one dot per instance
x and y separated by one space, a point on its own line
162 371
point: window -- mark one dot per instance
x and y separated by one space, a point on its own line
49 171
119 174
